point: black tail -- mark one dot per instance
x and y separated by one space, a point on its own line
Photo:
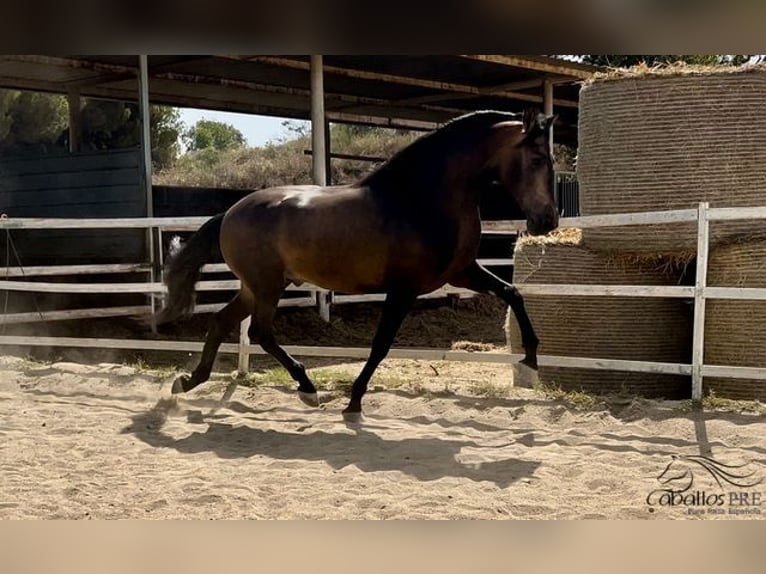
182 270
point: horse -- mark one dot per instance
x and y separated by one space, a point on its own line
407 228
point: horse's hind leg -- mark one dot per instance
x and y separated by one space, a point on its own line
395 309
261 331
221 325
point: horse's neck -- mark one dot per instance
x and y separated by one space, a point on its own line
447 185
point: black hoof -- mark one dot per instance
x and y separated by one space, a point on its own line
524 375
310 399
530 362
180 385
352 417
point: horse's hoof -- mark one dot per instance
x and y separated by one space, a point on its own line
352 417
310 399
525 376
530 362
179 385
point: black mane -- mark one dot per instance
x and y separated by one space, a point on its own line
425 156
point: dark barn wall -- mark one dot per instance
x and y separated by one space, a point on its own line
88 185
171 201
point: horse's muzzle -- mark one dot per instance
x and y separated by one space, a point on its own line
543 223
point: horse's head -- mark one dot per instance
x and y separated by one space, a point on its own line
523 165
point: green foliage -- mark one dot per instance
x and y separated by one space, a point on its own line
241 168
34 123
109 124
298 128
30 121
211 134
625 61
165 130
283 163
346 136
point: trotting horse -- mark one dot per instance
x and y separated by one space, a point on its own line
405 229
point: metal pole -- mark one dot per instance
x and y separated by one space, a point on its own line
146 147
328 153
698 349
318 141
548 104
319 151
243 363
75 120
146 137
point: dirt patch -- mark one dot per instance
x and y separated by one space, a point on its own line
439 441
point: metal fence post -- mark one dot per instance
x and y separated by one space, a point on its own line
698 350
319 149
243 364
324 299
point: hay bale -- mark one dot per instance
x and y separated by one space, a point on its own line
662 139
735 333
650 329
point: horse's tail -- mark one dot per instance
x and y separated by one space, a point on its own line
182 270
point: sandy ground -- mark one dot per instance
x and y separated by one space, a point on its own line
439 441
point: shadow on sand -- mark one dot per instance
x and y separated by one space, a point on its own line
422 458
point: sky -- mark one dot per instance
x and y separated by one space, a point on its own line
258 130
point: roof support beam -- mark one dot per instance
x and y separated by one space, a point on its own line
534 64
75 120
253 105
481 92
74 63
469 91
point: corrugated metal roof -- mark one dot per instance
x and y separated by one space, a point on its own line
403 91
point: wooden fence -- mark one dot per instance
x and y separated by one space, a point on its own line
704 215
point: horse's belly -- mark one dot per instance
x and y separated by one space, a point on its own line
337 267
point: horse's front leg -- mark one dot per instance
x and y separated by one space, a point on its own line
477 278
395 309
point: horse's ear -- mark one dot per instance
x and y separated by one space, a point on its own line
536 123
549 121
530 120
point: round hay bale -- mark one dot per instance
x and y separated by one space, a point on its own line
662 139
637 328
735 331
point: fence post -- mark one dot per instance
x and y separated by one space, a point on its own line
323 299
243 364
160 266
698 350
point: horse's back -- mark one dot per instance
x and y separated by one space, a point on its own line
345 238
330 236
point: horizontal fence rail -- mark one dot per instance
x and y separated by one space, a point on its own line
699 293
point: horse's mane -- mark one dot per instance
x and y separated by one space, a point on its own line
427 153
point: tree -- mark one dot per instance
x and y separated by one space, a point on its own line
299 128
625 61
30 122
110 124
212 134
165 130
35 122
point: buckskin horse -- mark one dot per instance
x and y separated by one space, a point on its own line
406 229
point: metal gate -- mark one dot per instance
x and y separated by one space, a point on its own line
567 193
